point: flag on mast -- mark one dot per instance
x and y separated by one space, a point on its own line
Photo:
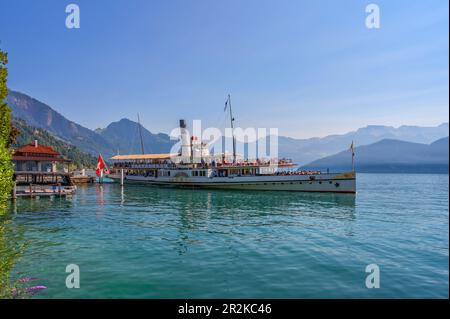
352 148
100 166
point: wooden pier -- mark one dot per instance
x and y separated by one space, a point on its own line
42 184
34 190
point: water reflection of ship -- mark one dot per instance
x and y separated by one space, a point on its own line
230 204
200 210
229 200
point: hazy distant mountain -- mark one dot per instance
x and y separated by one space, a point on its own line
391 156
38 114
125 137
306 150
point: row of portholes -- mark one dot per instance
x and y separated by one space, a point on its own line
291 183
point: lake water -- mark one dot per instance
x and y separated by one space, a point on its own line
145 242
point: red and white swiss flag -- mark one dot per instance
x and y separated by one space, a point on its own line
100 165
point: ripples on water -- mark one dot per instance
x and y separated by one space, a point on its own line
145 242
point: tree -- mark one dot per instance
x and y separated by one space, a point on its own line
6 168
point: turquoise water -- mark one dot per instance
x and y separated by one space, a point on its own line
143 242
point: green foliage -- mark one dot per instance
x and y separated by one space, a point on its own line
3 75
28 134
5 124
6 169
12 247
6 174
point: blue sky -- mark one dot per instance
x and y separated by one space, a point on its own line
310 68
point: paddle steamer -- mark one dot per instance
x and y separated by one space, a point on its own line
194 167
159 169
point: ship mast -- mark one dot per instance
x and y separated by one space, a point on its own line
140 134
232 129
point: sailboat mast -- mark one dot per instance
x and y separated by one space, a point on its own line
232 129
140 134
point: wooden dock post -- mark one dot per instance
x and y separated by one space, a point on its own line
14 192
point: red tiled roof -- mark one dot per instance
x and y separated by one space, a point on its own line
40 149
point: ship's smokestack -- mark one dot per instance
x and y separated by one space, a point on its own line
185 141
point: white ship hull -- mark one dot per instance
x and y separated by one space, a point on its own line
335 183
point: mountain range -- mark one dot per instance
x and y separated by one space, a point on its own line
304 151
390 155
126 138
123 136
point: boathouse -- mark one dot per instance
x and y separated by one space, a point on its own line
37 164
